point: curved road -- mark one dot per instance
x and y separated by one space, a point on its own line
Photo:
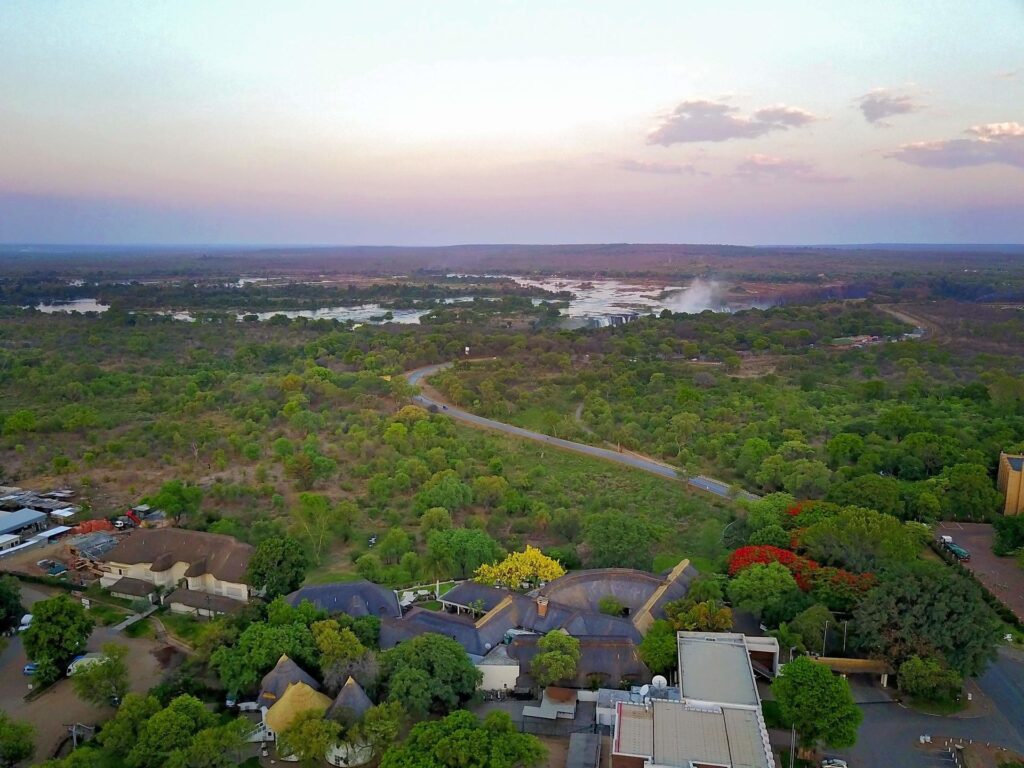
699 482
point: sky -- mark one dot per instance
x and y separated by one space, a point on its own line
429 123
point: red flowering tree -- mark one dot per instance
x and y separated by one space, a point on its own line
801 567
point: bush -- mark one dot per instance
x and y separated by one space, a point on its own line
929 680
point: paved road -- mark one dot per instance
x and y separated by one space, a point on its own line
635 461
889 734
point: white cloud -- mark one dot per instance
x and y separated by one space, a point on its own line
703 120
770 167
671 169
991 143
882 103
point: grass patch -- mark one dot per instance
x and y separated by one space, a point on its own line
938 707
329 573
105 615
186 628
142 628
430 605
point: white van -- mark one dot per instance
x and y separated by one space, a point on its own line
26 622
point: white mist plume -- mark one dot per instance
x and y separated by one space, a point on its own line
698 296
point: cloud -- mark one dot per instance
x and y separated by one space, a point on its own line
769 167
671 169
882 103
998 143
1008 74
703 120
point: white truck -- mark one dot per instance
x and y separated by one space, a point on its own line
84 660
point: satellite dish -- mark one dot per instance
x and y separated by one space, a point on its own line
659 681
645 690
487 646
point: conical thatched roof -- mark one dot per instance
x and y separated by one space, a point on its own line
351 702
298 698
277 680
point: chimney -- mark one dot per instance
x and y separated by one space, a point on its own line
542 606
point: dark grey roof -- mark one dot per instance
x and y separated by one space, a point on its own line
632 588
610 659
584 750
469 592
351 702
134 587
356 598
520 612
277 680
1016 463
203 601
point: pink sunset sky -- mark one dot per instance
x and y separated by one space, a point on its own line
454 122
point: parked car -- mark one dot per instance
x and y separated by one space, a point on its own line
30 669
833 762
26 622
959 552
86 659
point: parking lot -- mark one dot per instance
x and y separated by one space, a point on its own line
1001 575
52 712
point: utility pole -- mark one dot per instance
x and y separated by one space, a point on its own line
792 746
824 638
846 626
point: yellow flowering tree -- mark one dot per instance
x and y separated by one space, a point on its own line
520 569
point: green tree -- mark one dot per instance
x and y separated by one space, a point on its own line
443 489
278 566
435 519
11 609
168 731
393 544
105 681
316 522
380 726
59 630
432 662
177 499
462 741
217 747
863 540
490 490
705 616
240 666
121 732
970 493
927 679
658 648
926 609
460 552
337 645
760 588
818 703
771 535
557 658
17 740
309 737
879 493
810 627
618 540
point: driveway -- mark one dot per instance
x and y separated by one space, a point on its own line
1000 575
636 461
889 734
59 707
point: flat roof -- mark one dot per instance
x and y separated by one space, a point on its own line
12 522
715 667
4 538
671 733
57 530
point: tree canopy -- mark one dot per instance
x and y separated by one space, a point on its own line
818 703
429 673
461 741
59 630
520 570
557 657
278 566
